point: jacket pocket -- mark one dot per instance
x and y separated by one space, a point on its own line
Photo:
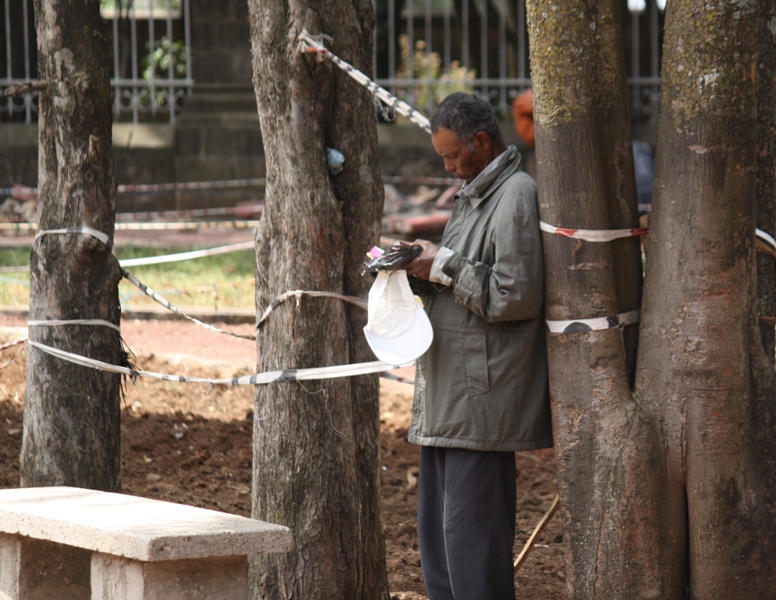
476 362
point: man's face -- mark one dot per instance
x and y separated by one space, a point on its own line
462 160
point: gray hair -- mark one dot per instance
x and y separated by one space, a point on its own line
467 115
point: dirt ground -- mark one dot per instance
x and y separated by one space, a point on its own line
183 444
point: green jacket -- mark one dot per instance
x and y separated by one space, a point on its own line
483 383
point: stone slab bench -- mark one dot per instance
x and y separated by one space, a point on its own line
68 543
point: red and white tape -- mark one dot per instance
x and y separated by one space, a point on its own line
593 235
13 343
244 211
147 188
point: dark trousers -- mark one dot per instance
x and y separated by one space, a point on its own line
466 523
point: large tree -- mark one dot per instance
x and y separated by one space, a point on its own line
316 445
665 488
702 369
586 181
72 413
766 172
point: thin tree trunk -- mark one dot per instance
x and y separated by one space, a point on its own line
604 449
71 416
316 464
701 365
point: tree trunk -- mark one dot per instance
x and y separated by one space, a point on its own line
766 172
586 181
701 364
71 417
316 463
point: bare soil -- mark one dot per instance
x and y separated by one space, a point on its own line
186 443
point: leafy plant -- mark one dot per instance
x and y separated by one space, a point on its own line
156 65
427 82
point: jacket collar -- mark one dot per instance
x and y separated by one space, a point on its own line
499 169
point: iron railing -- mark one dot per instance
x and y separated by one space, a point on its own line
149 43
151 72
424 49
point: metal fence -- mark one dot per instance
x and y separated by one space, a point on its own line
151 52
424 50
18 58
149 46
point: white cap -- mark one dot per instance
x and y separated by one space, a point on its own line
398 330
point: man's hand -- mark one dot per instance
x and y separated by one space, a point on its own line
420 266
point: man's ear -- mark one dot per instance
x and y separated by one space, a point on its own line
482 141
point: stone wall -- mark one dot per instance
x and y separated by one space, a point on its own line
220 38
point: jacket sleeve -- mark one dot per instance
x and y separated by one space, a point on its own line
512 288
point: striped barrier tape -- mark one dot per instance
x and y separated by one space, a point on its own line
19 343
393 377
284 376
245 210
195 254
13 343
172 226
171 307
308 43
160 187
191 185
595 324
149 188
592 235
166 226
608 235
144 288
256 379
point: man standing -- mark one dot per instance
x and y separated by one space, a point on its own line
481 389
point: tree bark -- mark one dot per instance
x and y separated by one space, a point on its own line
766 171
316 463
701 364
586 180
71 417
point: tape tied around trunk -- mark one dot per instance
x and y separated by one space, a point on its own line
596 324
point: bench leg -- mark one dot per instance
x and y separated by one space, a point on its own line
116 578
37 570
10 555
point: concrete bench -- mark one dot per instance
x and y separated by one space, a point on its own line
68 543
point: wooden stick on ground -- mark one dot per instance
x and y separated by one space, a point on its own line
539 528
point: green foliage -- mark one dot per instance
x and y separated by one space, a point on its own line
157 63
156 66
431 82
